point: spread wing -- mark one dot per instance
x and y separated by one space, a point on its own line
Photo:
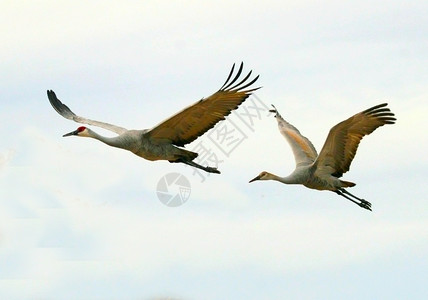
343 139
190 123
303 150
64 111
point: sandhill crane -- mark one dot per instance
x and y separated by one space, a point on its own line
322 172
162 142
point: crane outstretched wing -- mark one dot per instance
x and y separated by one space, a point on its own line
66 112
190 123
343 139
303 150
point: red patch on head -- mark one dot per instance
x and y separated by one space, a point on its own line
81 128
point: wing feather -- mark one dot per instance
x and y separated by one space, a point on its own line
344 138
193 121
66 112
303 150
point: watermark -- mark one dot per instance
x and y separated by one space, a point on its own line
228 135
173 189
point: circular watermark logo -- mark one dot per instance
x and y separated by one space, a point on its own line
173 189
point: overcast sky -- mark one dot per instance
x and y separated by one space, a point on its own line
80 220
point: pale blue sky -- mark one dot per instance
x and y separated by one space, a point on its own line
80 220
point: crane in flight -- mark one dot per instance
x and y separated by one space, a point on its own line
163 141
322 172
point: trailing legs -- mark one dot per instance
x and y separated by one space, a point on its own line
360 202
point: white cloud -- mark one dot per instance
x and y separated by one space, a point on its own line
6 157
76 211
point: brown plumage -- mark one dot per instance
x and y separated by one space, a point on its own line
193 121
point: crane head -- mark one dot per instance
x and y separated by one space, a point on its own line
81 131
262 176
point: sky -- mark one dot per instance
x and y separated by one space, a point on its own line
80 220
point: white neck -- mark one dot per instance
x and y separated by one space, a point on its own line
117 141
291 179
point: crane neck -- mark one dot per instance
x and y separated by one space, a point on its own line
117 141
287 179
291 179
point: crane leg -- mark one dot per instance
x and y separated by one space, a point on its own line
361 202
193 164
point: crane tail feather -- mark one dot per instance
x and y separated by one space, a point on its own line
347 183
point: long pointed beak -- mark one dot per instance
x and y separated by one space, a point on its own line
254 179
71 133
